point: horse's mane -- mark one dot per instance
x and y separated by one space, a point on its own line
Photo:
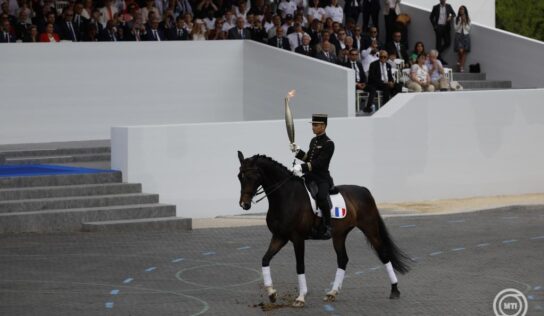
273 162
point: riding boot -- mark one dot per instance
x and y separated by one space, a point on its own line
325 229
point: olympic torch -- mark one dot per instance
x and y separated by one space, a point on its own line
289 118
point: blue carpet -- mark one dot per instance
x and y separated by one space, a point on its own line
44 170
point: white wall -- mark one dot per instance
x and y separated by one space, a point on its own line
419 146
69 92
502 55
481 11
321 87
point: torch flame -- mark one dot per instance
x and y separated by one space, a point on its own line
290 94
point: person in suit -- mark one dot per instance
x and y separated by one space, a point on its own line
32 35
279 40
371 37
153 33
391 10
80 22
95 20
66 27
5 35
109 34
371 10
177 32
239 31
325 53
257 32
22 26
135 32
295 38
361 82
381 78
441 17
399 47
306 48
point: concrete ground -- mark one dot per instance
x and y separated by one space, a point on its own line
461 261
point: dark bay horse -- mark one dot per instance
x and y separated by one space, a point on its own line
290 218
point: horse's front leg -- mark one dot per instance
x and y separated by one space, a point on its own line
342 261
276 244
298 244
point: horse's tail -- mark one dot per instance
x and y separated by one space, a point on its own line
398 258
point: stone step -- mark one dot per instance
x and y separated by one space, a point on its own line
486 84
109 176
32 205
69 190
58 159
71 219
54 152
144 224
457 76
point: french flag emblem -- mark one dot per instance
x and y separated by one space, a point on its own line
339 212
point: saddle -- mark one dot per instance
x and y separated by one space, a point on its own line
338 210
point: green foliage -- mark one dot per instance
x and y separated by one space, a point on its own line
524 17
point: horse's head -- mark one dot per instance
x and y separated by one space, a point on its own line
250 179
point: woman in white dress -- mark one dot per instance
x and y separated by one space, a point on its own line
316 11
419 76
198 32
334 11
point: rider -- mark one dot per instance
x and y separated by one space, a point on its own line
316 168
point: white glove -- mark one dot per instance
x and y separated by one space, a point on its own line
294 147
297 170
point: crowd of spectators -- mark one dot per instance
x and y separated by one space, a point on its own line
320 29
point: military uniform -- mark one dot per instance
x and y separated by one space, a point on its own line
316 170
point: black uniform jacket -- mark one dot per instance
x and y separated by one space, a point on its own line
317 160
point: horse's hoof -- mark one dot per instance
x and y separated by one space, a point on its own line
330 297
395 294
298 303
272 294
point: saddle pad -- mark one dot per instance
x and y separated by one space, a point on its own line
338 210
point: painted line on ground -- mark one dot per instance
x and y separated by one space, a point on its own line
458 249
114 292
150 269
177 260
359 272
328 308
509 241
456 221
509 217
436 253
108 305
244 248
537 237
128 280
537 288
374 268
407 226
485 244
209 253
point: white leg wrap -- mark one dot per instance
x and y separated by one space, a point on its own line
267 277
302 288
391 273
338 279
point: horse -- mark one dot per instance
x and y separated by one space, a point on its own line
290 218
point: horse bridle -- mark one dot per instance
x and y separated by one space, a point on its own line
262 189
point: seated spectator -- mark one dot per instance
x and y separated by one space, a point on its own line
418 50
257 32
397 45
279 40
229 21
239 31
177 32
95 20
153 32
325 53
49 35
242 9
268 24
370 37
300 18
31 35
316 11
258 9
22 25
135 31
188 19
295 38
88 8
276 22
199 31
343 57
7 35
325 37
357 38
108 11
206 8
334 11
80 21
66 28
306 48
217 33
287 7
314 31
328 24
109 34
419 76
349 43
391 59
184 7
381 78
209 19
91 33
288 25
436 72
340 42
168 20
370 55
361 82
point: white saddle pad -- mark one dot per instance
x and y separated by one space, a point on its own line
338 210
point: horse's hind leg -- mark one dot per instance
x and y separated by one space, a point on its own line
342 261
378 237
275 245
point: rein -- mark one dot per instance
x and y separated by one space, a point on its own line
275 187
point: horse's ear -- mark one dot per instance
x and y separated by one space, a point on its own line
240 156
